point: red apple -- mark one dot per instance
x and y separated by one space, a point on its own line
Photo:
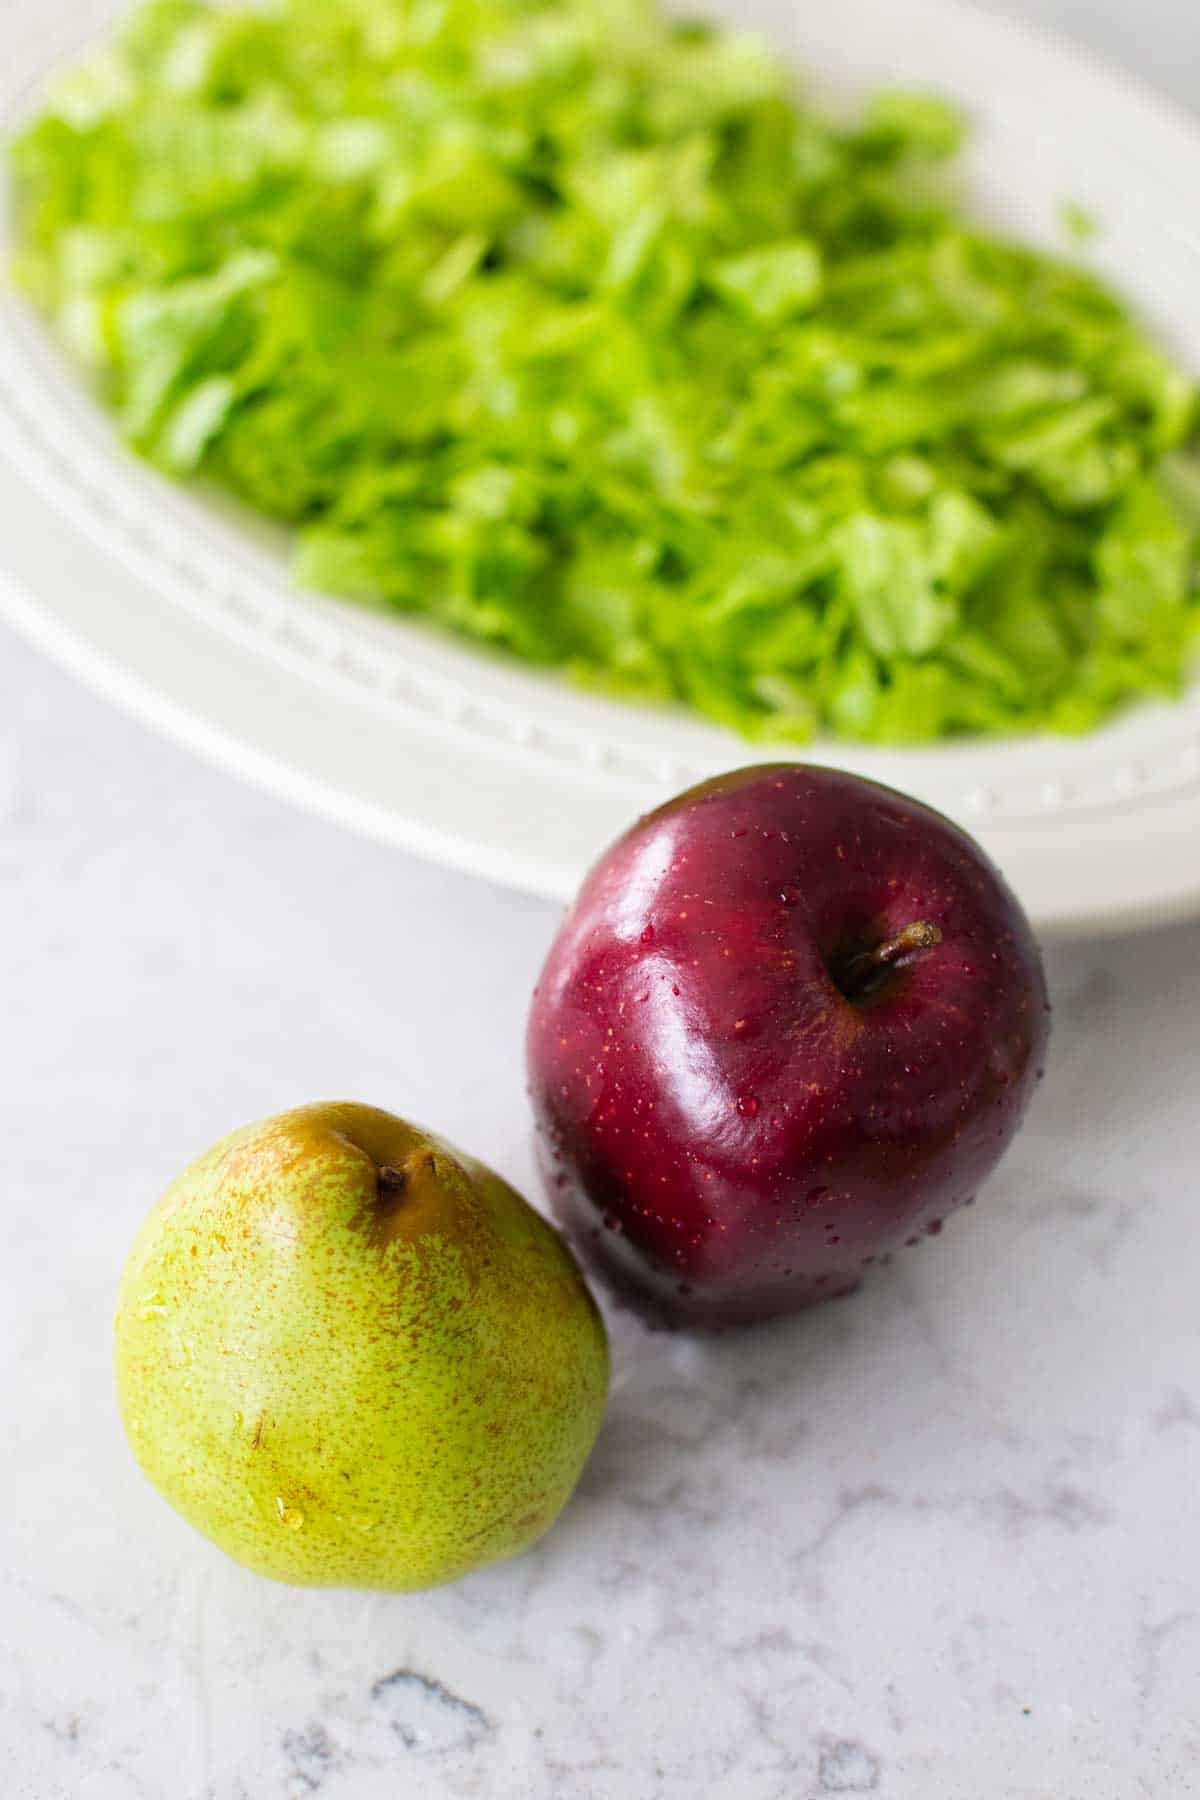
792 1020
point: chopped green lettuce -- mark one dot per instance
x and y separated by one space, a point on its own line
570 327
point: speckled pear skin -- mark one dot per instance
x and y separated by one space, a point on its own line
353 1357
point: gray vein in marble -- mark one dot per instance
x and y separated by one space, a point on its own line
846 1768
310 1756
427 1716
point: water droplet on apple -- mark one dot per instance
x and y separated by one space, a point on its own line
790 896
748 1106
647 936
290 1517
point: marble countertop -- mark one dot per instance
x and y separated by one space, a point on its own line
938 1542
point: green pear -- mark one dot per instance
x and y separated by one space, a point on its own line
354 1357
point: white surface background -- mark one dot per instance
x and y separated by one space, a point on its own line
937 1542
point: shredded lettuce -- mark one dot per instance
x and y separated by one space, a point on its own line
570 327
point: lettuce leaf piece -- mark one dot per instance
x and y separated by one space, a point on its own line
770 284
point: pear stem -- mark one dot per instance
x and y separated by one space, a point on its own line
866 968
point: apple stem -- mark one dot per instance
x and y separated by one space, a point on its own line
922 934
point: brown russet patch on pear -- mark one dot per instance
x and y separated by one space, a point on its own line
409 1199
254 1158
406 1183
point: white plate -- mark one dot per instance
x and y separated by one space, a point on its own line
185 614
